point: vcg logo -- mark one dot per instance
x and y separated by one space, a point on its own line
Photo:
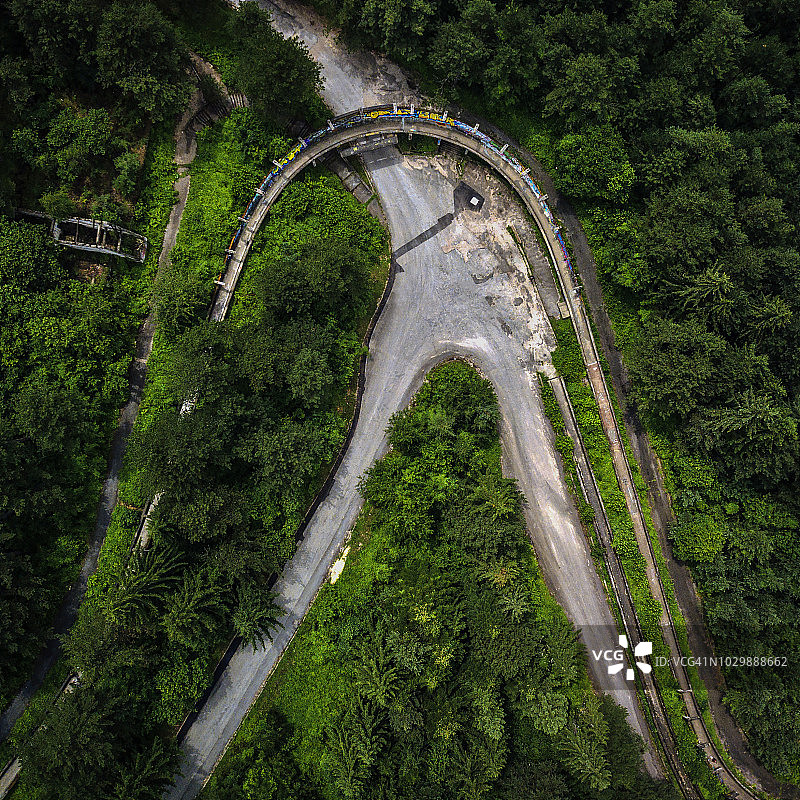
618 656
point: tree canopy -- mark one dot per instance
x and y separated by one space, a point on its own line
438 664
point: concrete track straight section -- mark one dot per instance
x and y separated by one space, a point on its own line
619 584
9 776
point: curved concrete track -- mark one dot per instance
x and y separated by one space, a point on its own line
450 298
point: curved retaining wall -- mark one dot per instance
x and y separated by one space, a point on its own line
373 121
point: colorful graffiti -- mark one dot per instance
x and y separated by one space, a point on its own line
365 116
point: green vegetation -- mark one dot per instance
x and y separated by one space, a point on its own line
269 70
69 141
567 359
566 450
235 472
417 145
58 569
673 127
66 349
275 73
80 86
437 665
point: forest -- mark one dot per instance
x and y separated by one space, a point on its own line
83 129
235 474
674 129
88 96
271 387
437 665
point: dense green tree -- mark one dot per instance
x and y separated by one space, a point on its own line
534 781
255 615
326 276
76 140
593 164
15 83
275 73
714 36
74 756
346 767
676 366
57 37
584 92
548 711
21 595
375 677
497 495
138 52
516 602
401 25
142 585
310 378
28 259
57 204
194 612
63 369
509 79
584 743
758 435
267 770
458 54
148 774
178 300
